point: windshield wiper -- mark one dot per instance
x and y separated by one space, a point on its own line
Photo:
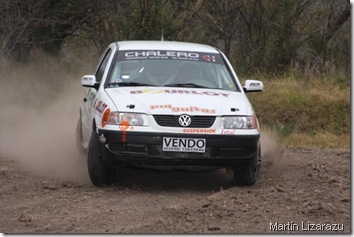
129 84
187 85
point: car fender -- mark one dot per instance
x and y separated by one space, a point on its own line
102 105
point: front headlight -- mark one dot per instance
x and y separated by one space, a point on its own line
239 122
131 119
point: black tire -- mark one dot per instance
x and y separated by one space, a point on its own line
100 174
79 137
248 175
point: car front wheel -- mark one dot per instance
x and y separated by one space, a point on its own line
100 174
248 175
79 138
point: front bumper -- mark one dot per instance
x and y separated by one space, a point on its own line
145 149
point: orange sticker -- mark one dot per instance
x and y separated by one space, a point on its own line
124 125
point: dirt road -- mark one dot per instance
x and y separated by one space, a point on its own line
297 189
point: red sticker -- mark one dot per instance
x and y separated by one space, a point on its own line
209 58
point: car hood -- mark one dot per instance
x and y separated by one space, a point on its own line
172 100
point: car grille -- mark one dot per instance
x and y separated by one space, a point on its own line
172 121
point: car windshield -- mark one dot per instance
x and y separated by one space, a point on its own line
170 69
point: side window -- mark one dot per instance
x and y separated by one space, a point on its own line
102 67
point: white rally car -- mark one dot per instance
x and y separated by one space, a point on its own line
168 105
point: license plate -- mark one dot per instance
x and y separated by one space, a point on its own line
183 144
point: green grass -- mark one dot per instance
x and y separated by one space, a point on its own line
299 113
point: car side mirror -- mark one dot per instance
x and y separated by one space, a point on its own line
90 81
253 86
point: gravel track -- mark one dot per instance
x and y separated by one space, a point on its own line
297 187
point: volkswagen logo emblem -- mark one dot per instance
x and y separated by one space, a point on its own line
184 120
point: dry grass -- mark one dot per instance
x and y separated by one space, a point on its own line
319 140
305 113
303 140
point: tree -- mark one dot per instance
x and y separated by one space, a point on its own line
34 23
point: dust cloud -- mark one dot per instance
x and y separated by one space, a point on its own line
273 156
39 110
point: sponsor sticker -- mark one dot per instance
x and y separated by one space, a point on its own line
182 91
228 131
183 109
199 130
170 55
209 58
255 84
100 107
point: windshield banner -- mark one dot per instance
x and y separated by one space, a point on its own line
170 55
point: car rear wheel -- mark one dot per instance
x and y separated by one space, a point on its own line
100 174
248 175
